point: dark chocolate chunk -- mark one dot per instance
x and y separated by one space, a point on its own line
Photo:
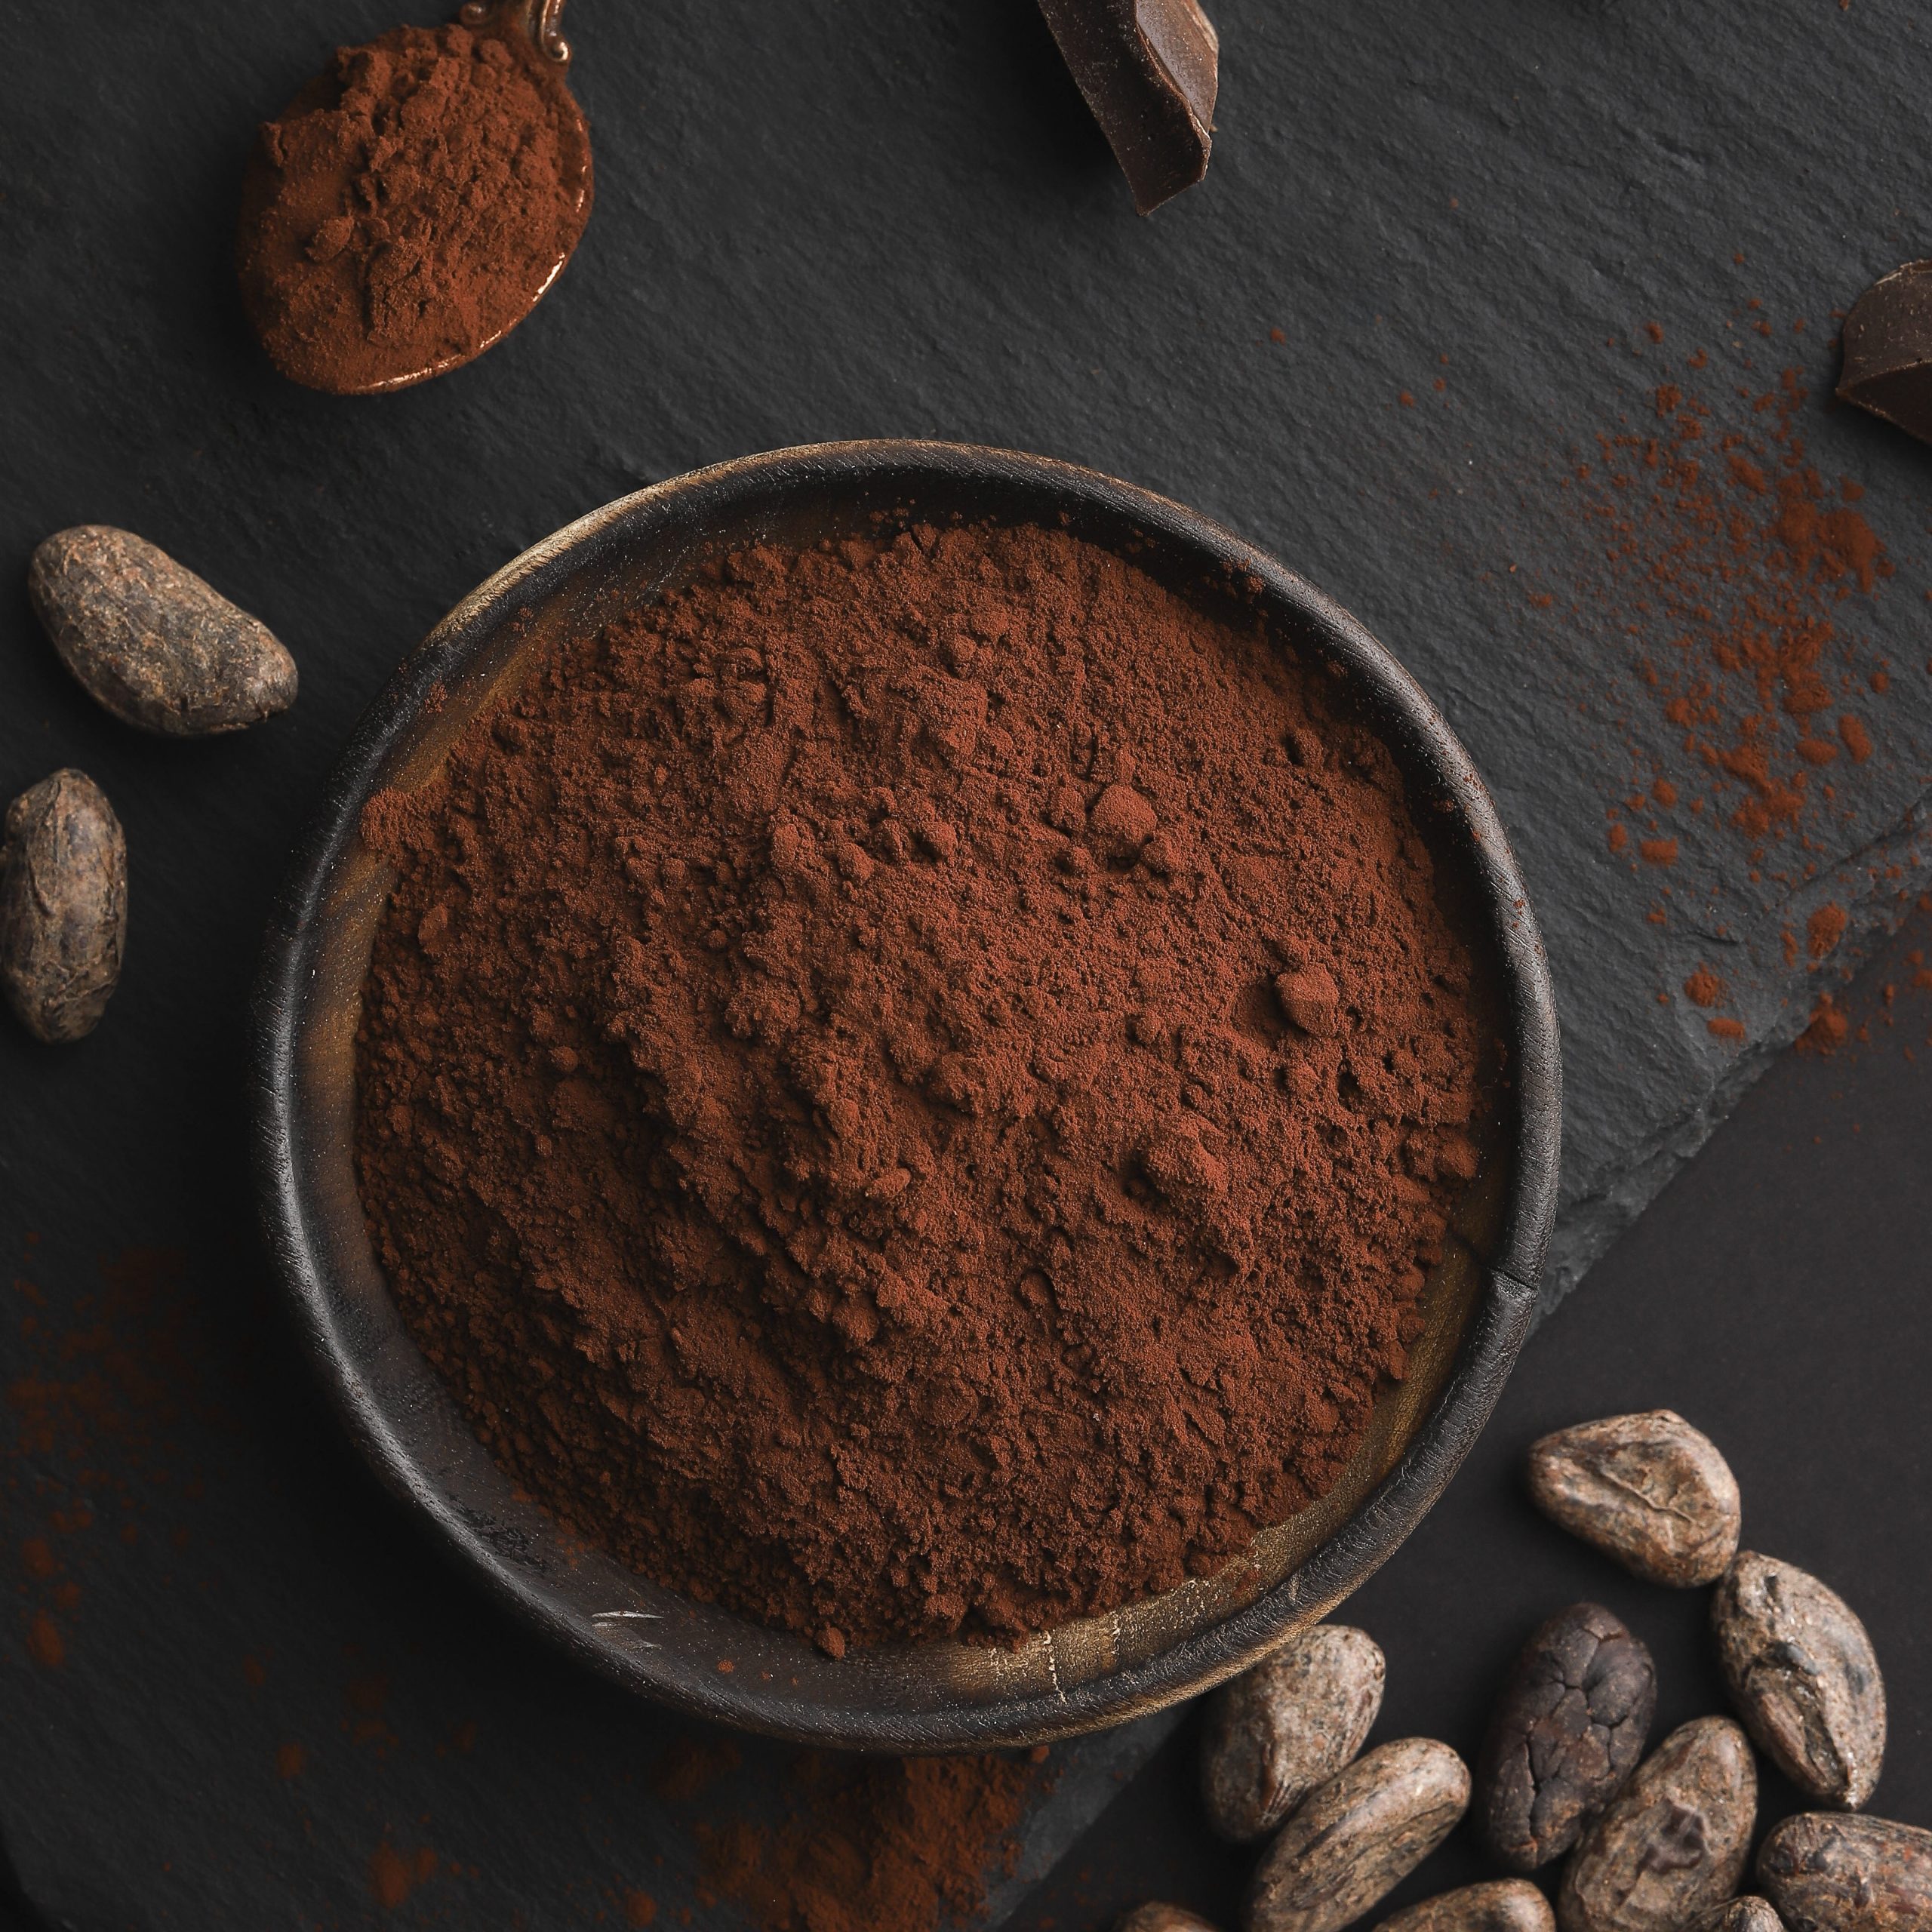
1568 1730
1148 69
1888 350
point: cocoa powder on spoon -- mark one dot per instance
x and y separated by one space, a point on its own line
410 204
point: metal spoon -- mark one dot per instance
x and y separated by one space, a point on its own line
536 20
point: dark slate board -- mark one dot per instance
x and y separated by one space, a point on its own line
814 221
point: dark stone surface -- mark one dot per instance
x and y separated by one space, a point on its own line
813 221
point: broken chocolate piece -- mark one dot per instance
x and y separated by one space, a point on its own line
1888 350
1148 69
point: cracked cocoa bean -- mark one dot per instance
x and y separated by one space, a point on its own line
1672 1843
1501 1905
1803 1677
63 905
1568 1730
1826 1872
1648 1490
1357 1836
1746 1915
150 640
1275 1734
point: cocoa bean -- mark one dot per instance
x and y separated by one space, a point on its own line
1272 1735
1502 1905
1746 1915
1648 1490
1358 1836
1826 1872
1803 1676
63 905
1155 1917
1568 1730
150 640
1672 1843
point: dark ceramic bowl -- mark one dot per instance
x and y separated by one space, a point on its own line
939 1696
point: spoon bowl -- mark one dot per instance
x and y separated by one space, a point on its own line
310 293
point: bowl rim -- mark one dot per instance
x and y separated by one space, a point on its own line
1496 1328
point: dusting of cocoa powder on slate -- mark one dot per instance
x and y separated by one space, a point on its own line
868 1843
1737 573
910 1088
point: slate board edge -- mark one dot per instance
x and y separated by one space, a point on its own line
1588 1226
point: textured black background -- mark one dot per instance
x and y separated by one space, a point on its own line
843 217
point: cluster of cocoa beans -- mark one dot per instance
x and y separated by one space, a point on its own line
164 652
1655 1843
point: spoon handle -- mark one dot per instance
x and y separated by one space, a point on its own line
538 18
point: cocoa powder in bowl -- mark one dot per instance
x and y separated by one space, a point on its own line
909 1087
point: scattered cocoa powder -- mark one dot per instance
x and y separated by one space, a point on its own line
1730 573
1827 1029
390 1882
97 1394
1728 559
1892 990
907 1843
910 1088
45 1645
1823 929
409 204
691 1765
844 1843
1703 987
393 1876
